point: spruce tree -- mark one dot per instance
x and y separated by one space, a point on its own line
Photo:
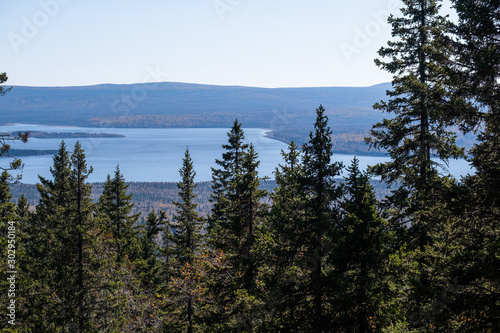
55 193
419 132
115 204
321 218
476 73
24 282
186 243
246 214
464 251
419 138
45 246
76 288
188 225
229 167
7 208
282 244
363 255
237 215
150 266
80 215
23 207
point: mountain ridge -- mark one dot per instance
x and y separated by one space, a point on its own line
287 112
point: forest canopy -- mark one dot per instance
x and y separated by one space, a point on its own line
313 254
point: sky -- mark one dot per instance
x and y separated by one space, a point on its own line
260 43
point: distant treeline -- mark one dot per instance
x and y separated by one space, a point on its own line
70 135
153 196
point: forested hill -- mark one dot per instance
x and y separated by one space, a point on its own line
284 110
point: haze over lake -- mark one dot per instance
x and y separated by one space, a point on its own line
155 155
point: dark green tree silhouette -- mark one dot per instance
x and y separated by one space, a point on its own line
419 133
237 216
229 167
116 205
362 256
151 270
464 255
282 246
186 243
321 218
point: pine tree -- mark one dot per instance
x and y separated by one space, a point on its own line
321 217
477 70
363 254
282 244
237 215
186 242
55 193
150 269
116 205
230 166
421 104
7 208
80 215
45 245
76 286
419 137
464 250
23 207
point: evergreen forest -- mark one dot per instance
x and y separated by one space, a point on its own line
319 252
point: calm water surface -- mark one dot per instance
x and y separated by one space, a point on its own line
155 155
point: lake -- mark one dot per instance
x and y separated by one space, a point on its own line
155 154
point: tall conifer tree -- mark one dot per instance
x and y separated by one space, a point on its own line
46 244
465 254
321 217
362 255
116 205
80 227
151 270
229 167
237 215
282 246
186 243
421 104
76 288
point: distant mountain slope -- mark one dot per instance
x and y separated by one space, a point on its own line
289 112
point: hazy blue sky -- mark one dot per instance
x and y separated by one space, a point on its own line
264 43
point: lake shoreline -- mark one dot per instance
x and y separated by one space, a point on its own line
155 155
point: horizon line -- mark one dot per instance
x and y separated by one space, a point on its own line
189 83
